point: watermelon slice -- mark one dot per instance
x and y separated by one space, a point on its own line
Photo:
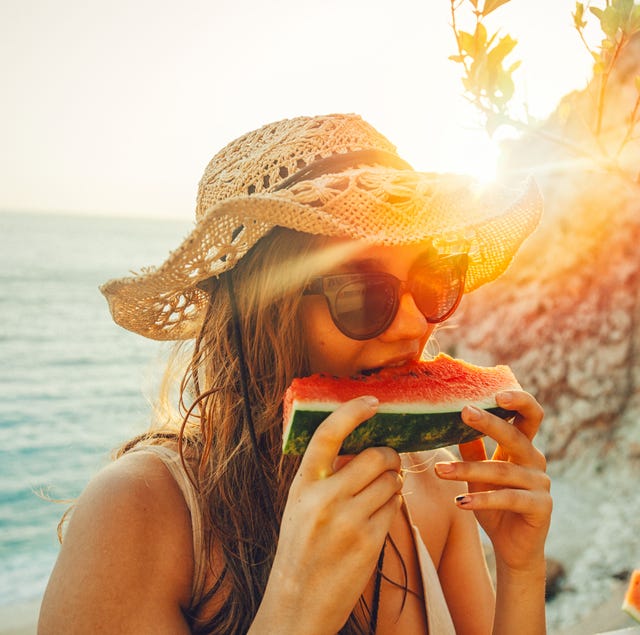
631 603
419 409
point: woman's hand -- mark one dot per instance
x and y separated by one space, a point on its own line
333 527
509 494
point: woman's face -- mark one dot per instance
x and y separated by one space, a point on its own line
330 351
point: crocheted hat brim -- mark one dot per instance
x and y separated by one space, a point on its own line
376 205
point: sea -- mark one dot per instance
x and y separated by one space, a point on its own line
73 384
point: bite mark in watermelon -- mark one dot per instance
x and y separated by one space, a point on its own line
631 603
420 404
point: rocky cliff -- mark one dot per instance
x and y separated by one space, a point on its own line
566 318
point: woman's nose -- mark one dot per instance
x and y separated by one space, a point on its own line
409 322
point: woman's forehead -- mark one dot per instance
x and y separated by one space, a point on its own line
370 257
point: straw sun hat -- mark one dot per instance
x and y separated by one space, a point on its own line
333 175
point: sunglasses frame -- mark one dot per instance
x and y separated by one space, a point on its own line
331 285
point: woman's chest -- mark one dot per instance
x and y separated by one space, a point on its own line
402 605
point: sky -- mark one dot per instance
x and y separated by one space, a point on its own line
116 107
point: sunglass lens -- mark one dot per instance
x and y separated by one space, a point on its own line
437 291
363 306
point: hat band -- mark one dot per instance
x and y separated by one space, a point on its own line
344 161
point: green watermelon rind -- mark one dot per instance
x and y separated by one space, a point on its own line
402 431
631 602
632 611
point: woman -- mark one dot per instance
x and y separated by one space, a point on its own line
202 525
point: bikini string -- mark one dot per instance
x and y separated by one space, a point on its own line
376 592
244 381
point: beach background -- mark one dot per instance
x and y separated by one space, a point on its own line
73 386
108 116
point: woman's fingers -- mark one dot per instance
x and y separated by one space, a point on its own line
530 412
380 490
369 465
366 482
517 464
499 474
510 494
514 440
531 505
502 486
381 519
318 459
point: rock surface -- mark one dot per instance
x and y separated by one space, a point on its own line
566 318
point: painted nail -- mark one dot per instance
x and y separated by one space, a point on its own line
444 467
463 499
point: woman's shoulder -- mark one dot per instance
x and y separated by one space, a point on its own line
137 497
136 483
127 548
139 475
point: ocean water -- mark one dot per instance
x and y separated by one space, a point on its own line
72 383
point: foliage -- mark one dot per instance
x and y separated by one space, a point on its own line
487 83
619 22
488 78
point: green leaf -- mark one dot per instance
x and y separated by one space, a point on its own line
467 43
634 20
502 49
623 8
481 76
597 12
491 5
514 66
578 16
480 36
610 21
506 87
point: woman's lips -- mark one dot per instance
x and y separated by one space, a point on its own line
393 362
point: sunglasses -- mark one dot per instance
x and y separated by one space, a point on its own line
364 304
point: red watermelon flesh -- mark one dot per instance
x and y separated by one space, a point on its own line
419 409
631 603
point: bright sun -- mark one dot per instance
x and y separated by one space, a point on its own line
480 160
470 152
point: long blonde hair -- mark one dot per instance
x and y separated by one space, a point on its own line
243 483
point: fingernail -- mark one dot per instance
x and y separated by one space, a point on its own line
371 401
473 413
444 467
505 398
463 499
